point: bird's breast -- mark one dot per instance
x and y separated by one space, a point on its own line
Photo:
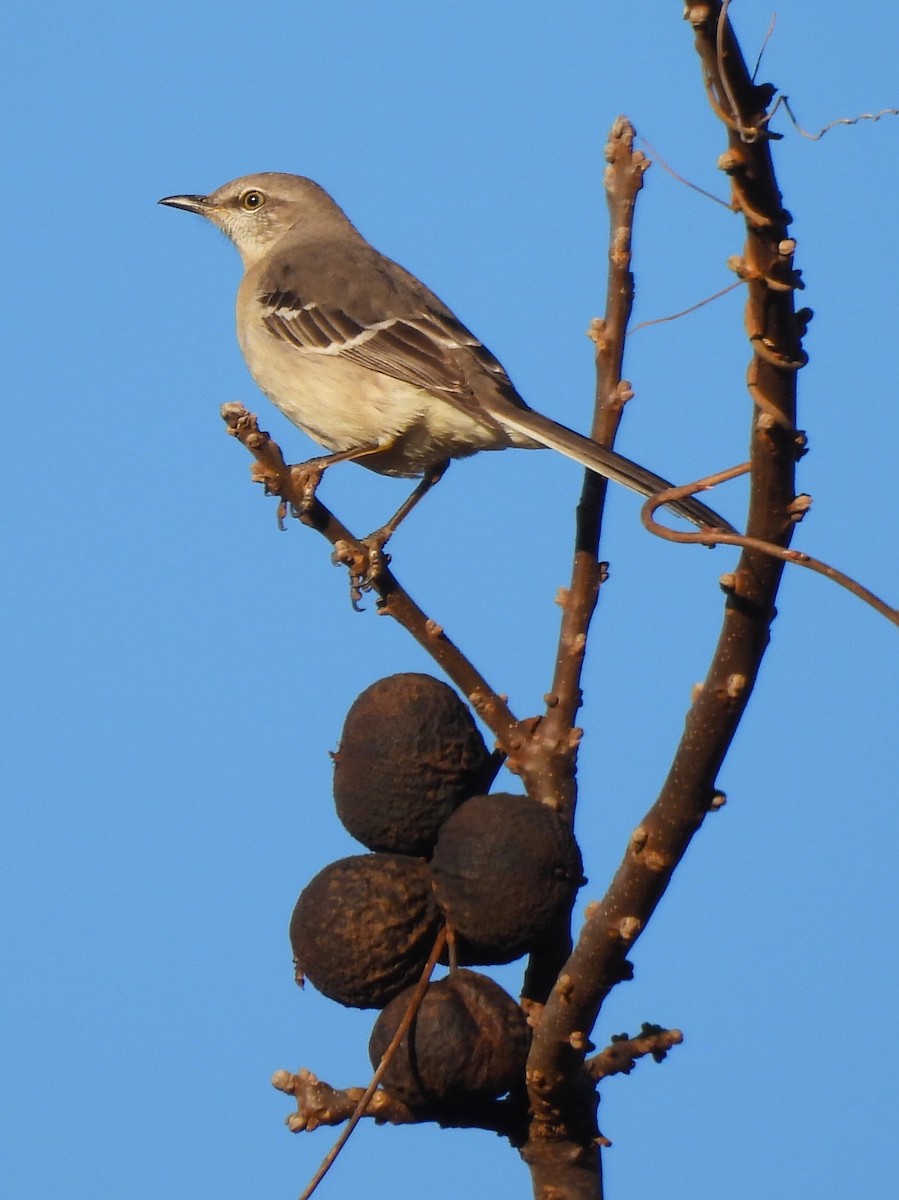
344 406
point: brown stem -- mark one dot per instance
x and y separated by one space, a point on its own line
319 1104
386 1058
279 479
620 1057
549 763
716 537
568 1163
599 959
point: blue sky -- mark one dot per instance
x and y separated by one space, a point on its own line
177 670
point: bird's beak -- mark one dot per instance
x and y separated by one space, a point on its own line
196 204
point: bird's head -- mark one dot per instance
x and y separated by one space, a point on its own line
256 211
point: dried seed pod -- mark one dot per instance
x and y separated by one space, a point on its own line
364 927
409 755
503 867
469 1041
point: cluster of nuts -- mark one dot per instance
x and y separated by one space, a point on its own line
409 782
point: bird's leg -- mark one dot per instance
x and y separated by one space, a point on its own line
308 475
375 542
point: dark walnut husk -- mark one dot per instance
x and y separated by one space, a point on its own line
410 753
364 927
504 867
468 1042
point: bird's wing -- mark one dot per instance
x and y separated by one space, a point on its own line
427 348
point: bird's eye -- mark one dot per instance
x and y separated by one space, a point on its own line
252 200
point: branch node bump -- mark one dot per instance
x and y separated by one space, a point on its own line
629 928
699 15
653 860
741 268
596 331
639 838
564 986
735 686
732 161
766 350
800 506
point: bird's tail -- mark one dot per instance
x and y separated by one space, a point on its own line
607 463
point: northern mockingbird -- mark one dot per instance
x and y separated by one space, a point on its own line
365 359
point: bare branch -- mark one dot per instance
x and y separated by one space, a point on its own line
548 758
713 537
279 479
319 1104
685 312
612 925
783 101
547 763
656 157
620 1057
386 1058
566 1163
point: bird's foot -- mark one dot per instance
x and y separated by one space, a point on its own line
366 561
378 558
305 478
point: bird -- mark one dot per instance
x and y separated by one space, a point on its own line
366 360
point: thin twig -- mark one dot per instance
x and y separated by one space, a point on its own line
685 312
547 763
318 1103
401 1030
280 480
713 537
656 847
764 46
620 1056
783 101
723 75
562 1149
656 157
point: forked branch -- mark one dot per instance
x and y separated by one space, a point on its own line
612 925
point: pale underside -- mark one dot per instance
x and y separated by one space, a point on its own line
306 358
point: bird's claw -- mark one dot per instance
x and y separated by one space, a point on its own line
378 558
306 477
366 561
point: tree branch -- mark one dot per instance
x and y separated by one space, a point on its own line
287 482
320 1104
620 1057
548 763
563 1156
612 925
715 537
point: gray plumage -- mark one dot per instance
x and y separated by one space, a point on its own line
364 358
